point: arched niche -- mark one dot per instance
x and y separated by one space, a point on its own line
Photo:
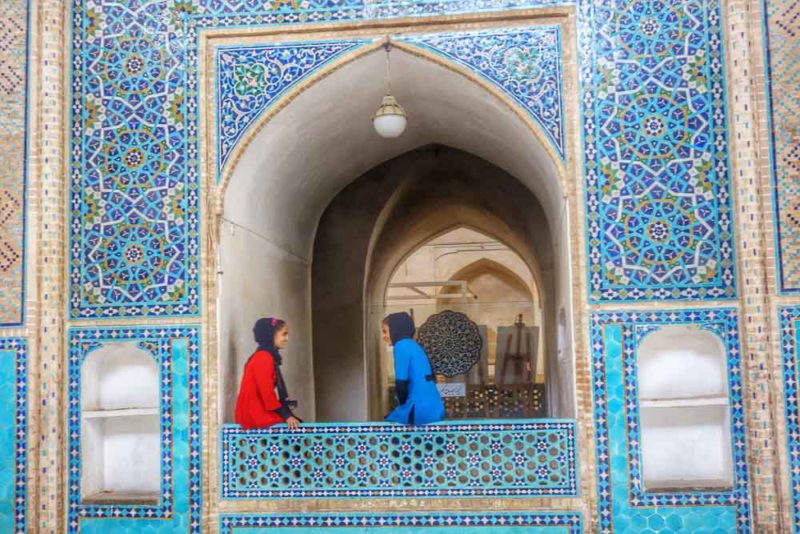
120 425
684 409
299 160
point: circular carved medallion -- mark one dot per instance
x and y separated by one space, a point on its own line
452 342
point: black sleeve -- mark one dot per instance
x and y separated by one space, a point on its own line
401 387
284 412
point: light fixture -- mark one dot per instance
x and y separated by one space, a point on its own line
390 118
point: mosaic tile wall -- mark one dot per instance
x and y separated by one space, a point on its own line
13 164
179 509
624 505
783 47
655 143
790 341
134 201
134 232
13 435
465 523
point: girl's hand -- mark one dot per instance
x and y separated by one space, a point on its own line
293 423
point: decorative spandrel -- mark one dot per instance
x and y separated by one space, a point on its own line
451 341
489 458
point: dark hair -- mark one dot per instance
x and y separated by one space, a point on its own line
264 332
401 326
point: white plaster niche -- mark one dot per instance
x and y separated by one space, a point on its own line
684 410
120 426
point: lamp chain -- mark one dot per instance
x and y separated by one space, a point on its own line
388 47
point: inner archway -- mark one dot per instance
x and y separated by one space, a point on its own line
289 176
471 273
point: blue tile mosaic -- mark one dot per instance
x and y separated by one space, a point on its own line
13 435
250 79
623 504
134 207
790 341
177 354
658 203
525 63
487 458
433 523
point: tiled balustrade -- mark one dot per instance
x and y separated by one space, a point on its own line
449 459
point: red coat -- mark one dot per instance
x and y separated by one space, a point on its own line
257 403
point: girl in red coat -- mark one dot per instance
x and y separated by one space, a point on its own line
258 405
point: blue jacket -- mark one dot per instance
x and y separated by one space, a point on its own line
413 374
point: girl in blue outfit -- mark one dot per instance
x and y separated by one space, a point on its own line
420 402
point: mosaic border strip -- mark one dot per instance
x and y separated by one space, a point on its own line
247 12
790 332
566 428
158 341
20 491
722 322
780 27
14 172
571 520
639 256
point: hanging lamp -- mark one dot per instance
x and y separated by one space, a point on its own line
390 119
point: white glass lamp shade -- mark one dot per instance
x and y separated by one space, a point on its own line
390 119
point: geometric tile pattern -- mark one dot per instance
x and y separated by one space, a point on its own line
250 79
783 87
790 341
13 435
523 63
134 209
659 208
623 504
407 523
381 460
225 12
176 351
13 152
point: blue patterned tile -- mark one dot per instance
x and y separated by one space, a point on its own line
623 504
177 354
658 197
490 458
790 341
134 208
13 435
251 78
406 523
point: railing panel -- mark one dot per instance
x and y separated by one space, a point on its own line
463 459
